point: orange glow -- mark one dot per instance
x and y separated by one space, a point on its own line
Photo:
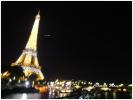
5 74
41 89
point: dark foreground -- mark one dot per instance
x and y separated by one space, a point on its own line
12 94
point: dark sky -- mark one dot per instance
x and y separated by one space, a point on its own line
89 40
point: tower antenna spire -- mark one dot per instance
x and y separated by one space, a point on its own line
39 12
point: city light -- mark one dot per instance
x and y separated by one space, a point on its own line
5 74
33 83
27 83
89 88
130 85
10 80
111 85
124 90
14 78
121 85
24 96
104 84
90 83
18 81
68 83
104 88
51 83
97 85
77 86
119 89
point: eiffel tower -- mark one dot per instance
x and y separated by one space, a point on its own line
28 59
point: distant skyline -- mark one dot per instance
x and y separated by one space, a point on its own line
88 40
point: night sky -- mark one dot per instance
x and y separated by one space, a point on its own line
89 40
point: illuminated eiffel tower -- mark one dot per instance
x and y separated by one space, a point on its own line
28 59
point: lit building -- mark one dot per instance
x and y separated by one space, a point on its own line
28 59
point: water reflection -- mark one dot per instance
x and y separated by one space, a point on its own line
106 95
24 96
114 95
98 95
57 94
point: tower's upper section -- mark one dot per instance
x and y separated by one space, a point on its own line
32 42
38 15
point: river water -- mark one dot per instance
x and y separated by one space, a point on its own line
48 95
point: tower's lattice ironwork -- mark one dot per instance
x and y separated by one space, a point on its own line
28 59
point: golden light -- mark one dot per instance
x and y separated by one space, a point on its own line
51 83
56 80
109 89
90 83
104 84
68 83
119 89
124 90
5 74
105 89
32 42
28 58
97 83
41 89
89 88
77 86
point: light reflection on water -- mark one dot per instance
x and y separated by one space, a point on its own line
52 94
57 94
98 95
106 95
114 95
24 96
